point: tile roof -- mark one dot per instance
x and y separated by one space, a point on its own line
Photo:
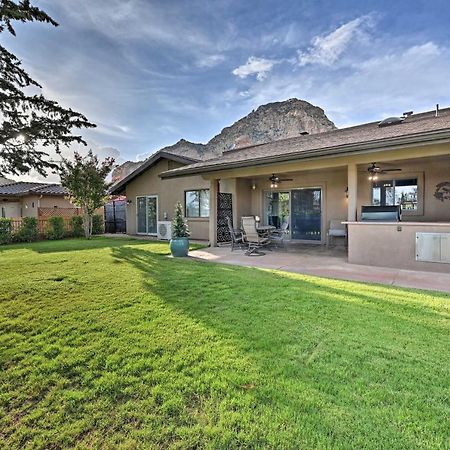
418 127
22 188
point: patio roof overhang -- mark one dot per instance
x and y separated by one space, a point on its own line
386 149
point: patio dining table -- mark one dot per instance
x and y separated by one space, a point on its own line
265 230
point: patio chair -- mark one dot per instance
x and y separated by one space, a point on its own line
277 236
251 237
337 229
237 239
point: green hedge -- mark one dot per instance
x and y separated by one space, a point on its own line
98 226
76 226
28 231
5 230
55 228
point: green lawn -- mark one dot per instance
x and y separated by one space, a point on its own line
110 344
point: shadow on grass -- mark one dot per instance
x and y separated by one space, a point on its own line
355 349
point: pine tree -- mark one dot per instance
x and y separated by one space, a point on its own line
29 123
179 225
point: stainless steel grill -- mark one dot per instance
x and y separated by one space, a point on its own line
381 213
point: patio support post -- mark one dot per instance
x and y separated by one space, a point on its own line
213 191
352 182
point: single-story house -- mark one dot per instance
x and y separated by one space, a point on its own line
311 180
29 199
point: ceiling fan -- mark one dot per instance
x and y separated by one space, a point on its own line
275 180
374 170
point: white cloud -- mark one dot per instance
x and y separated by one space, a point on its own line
386 84
259 66
67 152
327 49
209 61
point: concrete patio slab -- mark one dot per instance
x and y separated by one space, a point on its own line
319 261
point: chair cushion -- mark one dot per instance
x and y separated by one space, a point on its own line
339 233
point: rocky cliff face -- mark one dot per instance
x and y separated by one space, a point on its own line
272 122
268 123
124 169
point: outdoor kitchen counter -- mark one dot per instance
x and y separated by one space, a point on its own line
403 245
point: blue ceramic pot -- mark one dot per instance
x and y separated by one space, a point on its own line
179 246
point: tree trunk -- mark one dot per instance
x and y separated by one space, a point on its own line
87 224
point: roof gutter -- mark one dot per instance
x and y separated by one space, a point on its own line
356 148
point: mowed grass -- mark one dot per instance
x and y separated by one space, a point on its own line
109 343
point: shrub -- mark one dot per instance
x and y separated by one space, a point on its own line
97 224
179 226
55 228
28 230
76 226
5 230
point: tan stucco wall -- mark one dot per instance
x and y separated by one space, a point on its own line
169 192
50 202
391 245
28 205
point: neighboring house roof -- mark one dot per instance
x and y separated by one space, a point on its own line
152 160
415 129
22 188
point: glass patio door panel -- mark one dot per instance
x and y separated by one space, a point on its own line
141 209
276 208
152 215
147 214
306 214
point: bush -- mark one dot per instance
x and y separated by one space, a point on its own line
28 230
76 226
5 230
55 228
97 224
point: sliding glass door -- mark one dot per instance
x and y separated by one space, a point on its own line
306 214
276 205
147 214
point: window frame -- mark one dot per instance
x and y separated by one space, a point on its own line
405 176
199 190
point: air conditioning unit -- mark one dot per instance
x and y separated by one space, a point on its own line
165 230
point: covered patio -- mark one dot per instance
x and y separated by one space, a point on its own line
327 191
323 262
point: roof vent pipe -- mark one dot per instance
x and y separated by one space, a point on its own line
437 109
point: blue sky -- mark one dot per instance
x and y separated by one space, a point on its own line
151 72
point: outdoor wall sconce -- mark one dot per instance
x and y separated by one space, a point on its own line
346 192
253 186
129 202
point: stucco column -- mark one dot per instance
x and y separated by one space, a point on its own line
213 190
352 183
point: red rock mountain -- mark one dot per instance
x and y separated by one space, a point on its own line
268 123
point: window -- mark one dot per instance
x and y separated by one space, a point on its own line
396 192
197 203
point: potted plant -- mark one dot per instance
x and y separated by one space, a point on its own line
179 244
